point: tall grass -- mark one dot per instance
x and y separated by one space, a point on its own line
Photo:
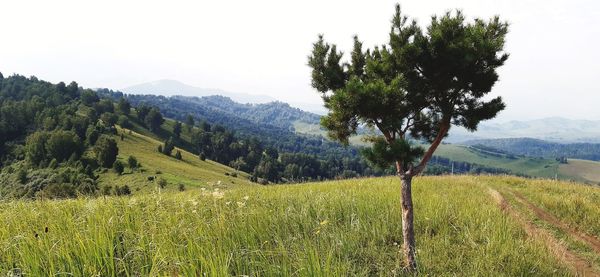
575 204
323 229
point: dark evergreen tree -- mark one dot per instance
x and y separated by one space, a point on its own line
154 120
169 146
417 86
189 122
132 162
142 111
123 106
177 129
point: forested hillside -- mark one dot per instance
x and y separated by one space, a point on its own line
55 139
58 140
272 125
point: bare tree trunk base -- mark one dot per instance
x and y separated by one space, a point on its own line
408 233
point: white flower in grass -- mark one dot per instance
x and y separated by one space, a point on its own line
218 195
246 198
241 204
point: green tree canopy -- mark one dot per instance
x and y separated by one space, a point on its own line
62 144
154 119
106 151
123 106
415 87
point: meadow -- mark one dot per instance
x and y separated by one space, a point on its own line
336 228
190 172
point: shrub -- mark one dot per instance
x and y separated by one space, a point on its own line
22 176
162 183
178 155
118 167
181 187
132 162
202 157
124 190
58 190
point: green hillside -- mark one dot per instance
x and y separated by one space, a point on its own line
586 171
468 226
190 171
535 167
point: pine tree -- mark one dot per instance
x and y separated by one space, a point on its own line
417 86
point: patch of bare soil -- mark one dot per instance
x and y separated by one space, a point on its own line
579 265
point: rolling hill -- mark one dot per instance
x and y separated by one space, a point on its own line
553 129
540 148
190 172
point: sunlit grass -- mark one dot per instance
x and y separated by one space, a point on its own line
323 229
190 171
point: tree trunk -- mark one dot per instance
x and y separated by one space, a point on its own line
408 231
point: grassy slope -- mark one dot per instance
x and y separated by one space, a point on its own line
190 171
340 228
588 171
528 166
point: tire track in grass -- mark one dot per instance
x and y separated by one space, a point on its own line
579 265
593 242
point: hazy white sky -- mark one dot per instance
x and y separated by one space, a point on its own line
260 47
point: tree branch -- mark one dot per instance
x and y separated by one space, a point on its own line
444 127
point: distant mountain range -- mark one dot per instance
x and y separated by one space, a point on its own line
553 129
173 87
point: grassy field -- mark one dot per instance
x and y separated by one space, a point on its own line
190 171
570 211
588 171
336 228
529 166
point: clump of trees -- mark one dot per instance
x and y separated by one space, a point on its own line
417 86
59 136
